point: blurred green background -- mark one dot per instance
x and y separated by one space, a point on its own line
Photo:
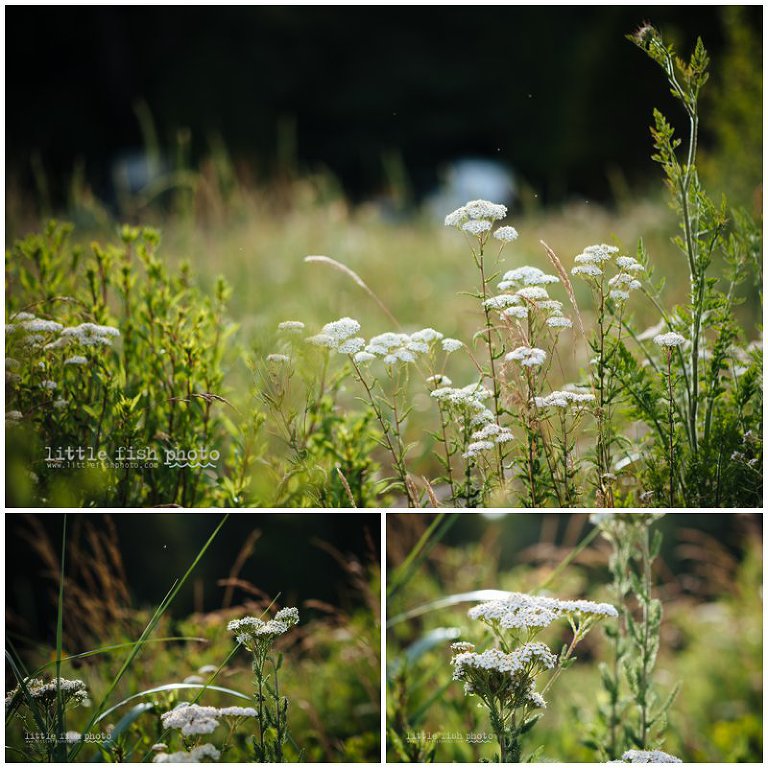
709 576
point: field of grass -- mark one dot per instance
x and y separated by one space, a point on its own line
197 289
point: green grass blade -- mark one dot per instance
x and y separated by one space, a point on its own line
60 748
156 616
429 539
20 677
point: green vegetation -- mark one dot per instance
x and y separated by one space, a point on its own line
134 379
679 670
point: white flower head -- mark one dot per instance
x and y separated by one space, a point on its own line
76 360
502 301
505 234
278 358
669 340
475 210
291 326
526 276
341 329
38 325
191 719
451 345
586 270
557 321
527 356
476 226
351 346
197 754
519 313
648 756
533 293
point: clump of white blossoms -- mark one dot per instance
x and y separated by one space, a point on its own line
198 754
504 678
476 210
528 357
590 261
255 633
646 756
45 693
669 340
487 438
196 720
565 399
336 333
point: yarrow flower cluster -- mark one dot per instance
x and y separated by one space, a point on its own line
669 340
475 210
487 438
256 634
646 756
74 692
523 276
528 357
591 259
334 334
564 399
532 613
196 755
466 402
196 720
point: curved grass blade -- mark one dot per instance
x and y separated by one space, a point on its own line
475 596
60 749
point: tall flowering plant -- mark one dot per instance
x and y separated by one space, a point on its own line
511 678
257 637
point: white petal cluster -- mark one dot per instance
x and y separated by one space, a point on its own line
196 755
394 347
502 301
191 719
476 226
468 398
535 698
38 325
278 358
647 756
520 611
487 438
562 399
252 631
629 264
523 276
89 335
452 345
527 356
476 210
335 333
596 254
291 326
519 661
519 313
558 321
73 691
237 712
505 234
586 270
76 360
670 339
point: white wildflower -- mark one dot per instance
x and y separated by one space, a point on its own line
22 316
535 698
452 345
652 756
587 270
49 385
237 712
341 329
291 326
527 356
533 293
39 325
289 616
526 276
595 254
501 302
351 346
76 360
506 234
193 680
14 416
519 313
363 357
617 295
417 346
91 334
476 226
195 755
557 321
60 403
277 358
670 339
322 340
551 305
191 719
630 264
483 209
426 334
72 691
